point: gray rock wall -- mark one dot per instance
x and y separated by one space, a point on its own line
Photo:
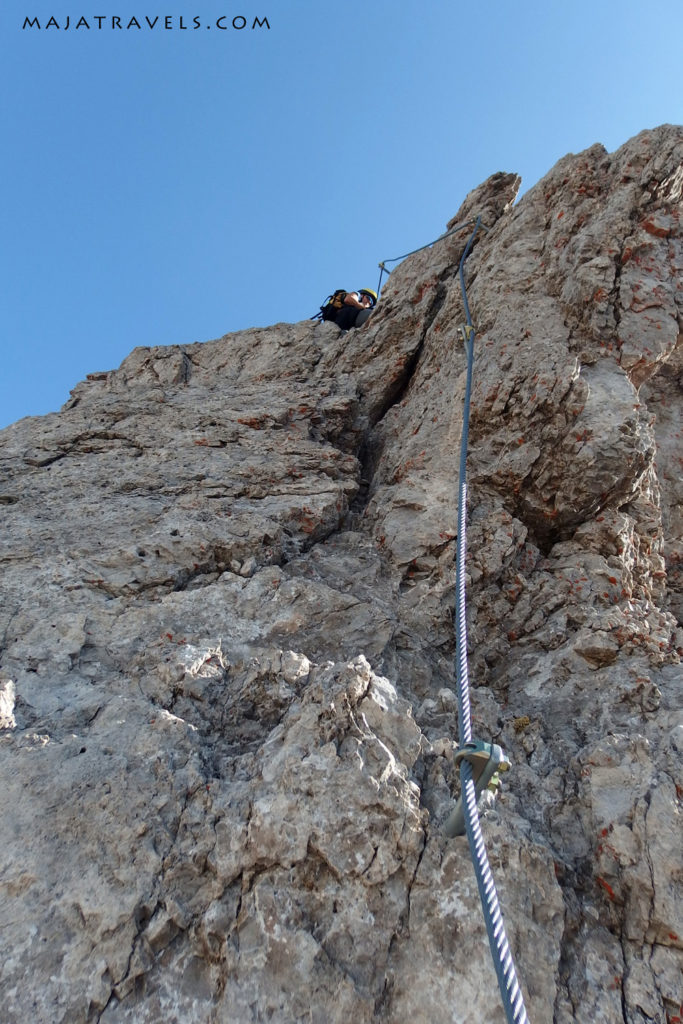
226 672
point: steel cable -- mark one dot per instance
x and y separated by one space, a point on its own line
451 231
513 1000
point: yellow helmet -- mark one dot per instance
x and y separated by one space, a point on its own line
371 295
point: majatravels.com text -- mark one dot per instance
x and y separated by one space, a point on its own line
100 22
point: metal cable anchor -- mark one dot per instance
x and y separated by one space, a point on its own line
486 760
466 332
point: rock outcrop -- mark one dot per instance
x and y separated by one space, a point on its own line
227 702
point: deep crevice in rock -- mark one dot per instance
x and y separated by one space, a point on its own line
368 453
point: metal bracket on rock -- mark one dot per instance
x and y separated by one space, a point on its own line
486 759
467 332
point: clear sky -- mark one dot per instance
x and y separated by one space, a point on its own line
167 185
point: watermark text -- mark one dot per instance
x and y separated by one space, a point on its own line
145 23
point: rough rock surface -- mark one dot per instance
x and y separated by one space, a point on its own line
226 672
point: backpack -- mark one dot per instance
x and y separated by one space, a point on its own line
332 304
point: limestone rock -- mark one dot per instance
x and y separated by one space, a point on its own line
227 710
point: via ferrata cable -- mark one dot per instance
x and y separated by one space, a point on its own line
451 231
513 1000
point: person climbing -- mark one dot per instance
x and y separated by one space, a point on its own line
349 309
356 308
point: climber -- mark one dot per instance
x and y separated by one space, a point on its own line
349 309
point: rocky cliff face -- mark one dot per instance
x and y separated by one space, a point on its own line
226 688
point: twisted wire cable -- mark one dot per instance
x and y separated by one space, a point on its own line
513 1000
452 231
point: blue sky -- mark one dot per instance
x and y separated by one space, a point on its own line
167 185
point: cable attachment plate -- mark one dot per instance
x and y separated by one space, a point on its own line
467 332
486 759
